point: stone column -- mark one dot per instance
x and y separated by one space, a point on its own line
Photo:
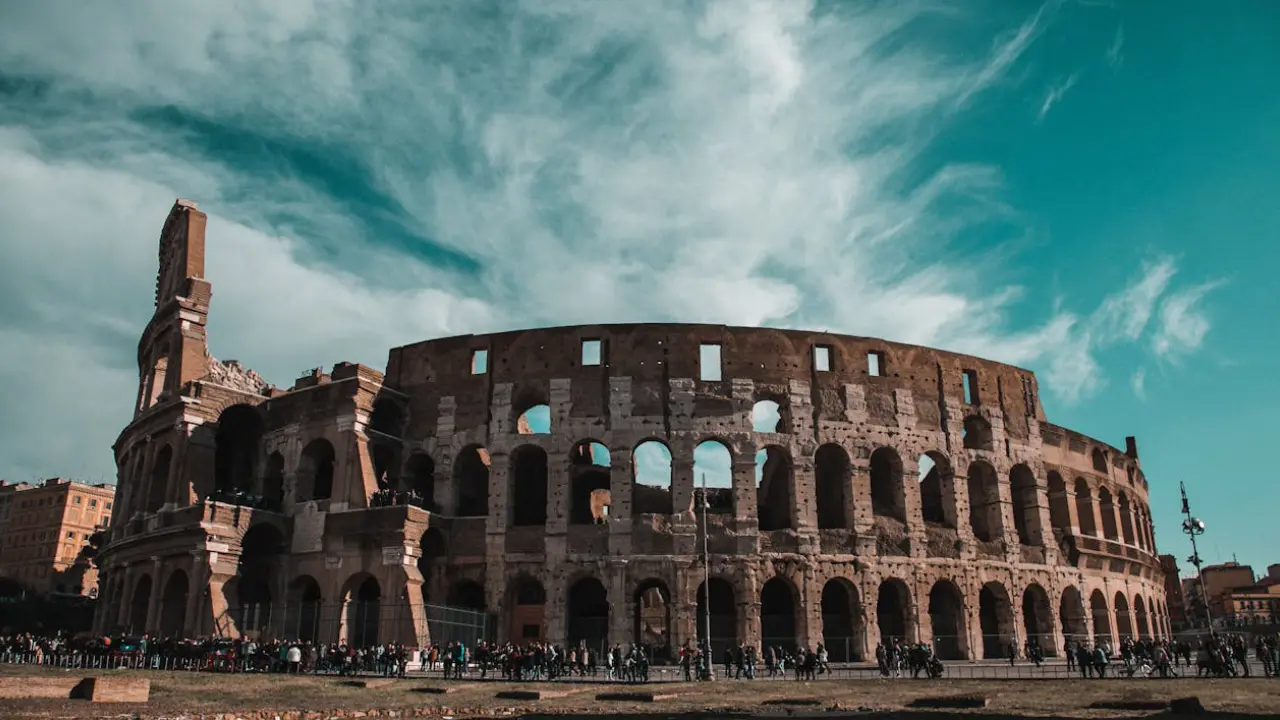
157 594
196 590
621 509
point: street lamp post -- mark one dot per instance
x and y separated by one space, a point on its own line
1194 527
710 672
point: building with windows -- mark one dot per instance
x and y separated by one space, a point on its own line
552 481
44 544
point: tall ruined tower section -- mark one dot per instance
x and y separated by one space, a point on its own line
172 351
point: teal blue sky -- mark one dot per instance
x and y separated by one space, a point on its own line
1081 188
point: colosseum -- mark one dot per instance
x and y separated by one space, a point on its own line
606 484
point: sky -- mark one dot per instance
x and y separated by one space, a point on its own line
1082 188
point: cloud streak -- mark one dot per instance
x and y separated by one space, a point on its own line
1054 95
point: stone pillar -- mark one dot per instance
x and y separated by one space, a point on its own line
746 511
553 613
157 594
863 520
196 590
621 510
809 608
621 602
557 493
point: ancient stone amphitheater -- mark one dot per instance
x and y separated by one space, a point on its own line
548 484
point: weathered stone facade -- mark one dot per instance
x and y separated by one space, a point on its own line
245 508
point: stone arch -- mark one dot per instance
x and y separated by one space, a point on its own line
527 601
1026 505
774 488
995 615
832 479
1101 617
273 483
1059 503
1139 526
1037 618
937 490
156 381
139 604
528 491
1143 621
420 480
1126 520
888 496
588 614
387 418
978 434
713 466
471 481
362 601
316 471
766 417
433 558
946 614
302 611
466 594
1085 508
651 478
1107 509
842 620
261 551
1124 622
651 624
235 457
386 463
1071 611
534 420
589 467
778 607
893 611
173 605
161 470
720 598
1099 461
985 516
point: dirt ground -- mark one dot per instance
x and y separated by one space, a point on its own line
191 695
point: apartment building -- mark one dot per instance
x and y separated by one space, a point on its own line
44 538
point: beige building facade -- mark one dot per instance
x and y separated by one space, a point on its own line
44 542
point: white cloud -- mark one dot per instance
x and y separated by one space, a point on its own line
1139 383
580 161
1115 53
1055 94
1183 323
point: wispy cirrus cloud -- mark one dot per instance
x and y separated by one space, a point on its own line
380 173
1183 322
1115 53
1055 94
1138 381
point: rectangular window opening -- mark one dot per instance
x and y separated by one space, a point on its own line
709 357
590 353
479 362
875 363
822 358
970 380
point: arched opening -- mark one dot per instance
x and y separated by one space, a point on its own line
1059 504
471 481
260 552
773 488
1124 623
235 457
1037 618
302 612
528 486
723 607
157 383
1126 520
765 417
468 595
1084 508
977 433
1107 509
1099 461
386 464
1026 505
387 419
984 502
893 608
433 559
588 615
777 615
173 605
139 604
652 622
832 479
1071 611
315 471
528 601
713 469
651 479
534 421
158 490
937 490
1144 623
1139 526
841 621
589 466
946 614
1101 617
421 481
995 614
273 483
364 608
888 497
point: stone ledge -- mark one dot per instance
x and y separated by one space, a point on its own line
113 690
949 703
635 696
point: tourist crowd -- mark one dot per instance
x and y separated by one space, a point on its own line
1214 656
